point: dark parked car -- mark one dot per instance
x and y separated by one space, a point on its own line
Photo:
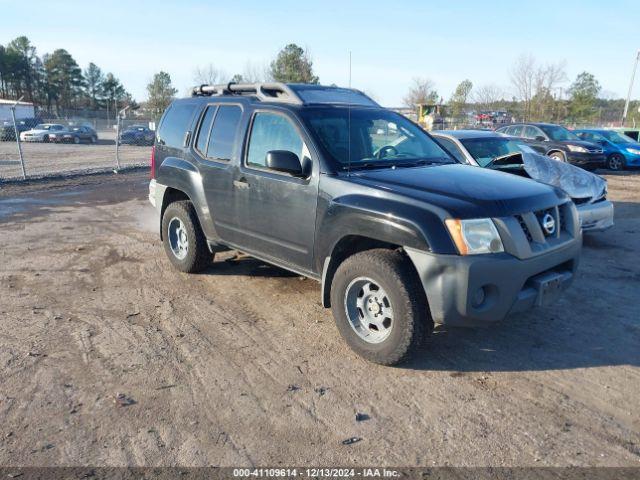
75 134
7 131
496 151
558 143
137 135
324 182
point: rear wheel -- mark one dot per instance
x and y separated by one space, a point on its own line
76 140
94 139
615 162
183 239
379 306
559 156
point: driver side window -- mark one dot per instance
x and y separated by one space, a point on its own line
272 131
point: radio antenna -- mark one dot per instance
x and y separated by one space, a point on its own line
349 118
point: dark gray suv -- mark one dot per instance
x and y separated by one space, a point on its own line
324 182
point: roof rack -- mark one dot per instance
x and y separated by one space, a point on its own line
267 92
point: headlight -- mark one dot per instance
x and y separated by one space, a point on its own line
478 235
635 151
577 148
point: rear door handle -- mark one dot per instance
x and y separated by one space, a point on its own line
242 183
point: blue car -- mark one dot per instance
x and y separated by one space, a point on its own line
621 151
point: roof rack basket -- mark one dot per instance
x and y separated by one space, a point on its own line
268 92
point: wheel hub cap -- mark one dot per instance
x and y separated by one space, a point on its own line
368 310
178 239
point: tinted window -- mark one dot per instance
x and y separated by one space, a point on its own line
203 132
453 149
175 124
559 134
529 132
272 132
223 135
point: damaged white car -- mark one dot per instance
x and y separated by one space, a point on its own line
493 150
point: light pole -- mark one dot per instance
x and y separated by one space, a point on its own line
633 76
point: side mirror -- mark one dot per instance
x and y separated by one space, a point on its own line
284 161
539 138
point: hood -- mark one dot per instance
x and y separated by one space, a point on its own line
575 181
462 190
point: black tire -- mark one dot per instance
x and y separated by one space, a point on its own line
616 162
45 139
76 140
94 139
559 156
393 272
198 257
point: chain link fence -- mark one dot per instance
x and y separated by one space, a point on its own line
76 142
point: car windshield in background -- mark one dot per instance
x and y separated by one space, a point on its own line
485 150
616 137
378 137
558 134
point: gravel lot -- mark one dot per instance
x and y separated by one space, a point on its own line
242 366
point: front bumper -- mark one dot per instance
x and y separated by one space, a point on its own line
589 161
596 217
509 285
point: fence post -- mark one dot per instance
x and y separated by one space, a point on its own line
15 129
117 142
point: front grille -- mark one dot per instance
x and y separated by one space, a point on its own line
595 150
524 235
524 227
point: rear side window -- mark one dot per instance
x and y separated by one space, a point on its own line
223 135
271 131
205 127
175 124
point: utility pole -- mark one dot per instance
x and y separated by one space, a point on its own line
633 76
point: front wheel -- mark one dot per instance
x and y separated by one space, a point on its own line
379 306
615 162
183 239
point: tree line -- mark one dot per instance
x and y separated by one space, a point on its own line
538 92
55 82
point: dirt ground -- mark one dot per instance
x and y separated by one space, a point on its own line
242 366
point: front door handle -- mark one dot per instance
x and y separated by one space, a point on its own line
242 183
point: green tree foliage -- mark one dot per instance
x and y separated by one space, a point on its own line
161 93
54 81
583 95
94 85
64 78
460 98
293 64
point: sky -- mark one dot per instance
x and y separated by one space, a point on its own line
390 42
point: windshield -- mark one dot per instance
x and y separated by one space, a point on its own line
616 137
557 133
484 150
377 137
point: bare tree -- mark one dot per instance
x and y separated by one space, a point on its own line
209 75
535 85
422 90
523 74
487 97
